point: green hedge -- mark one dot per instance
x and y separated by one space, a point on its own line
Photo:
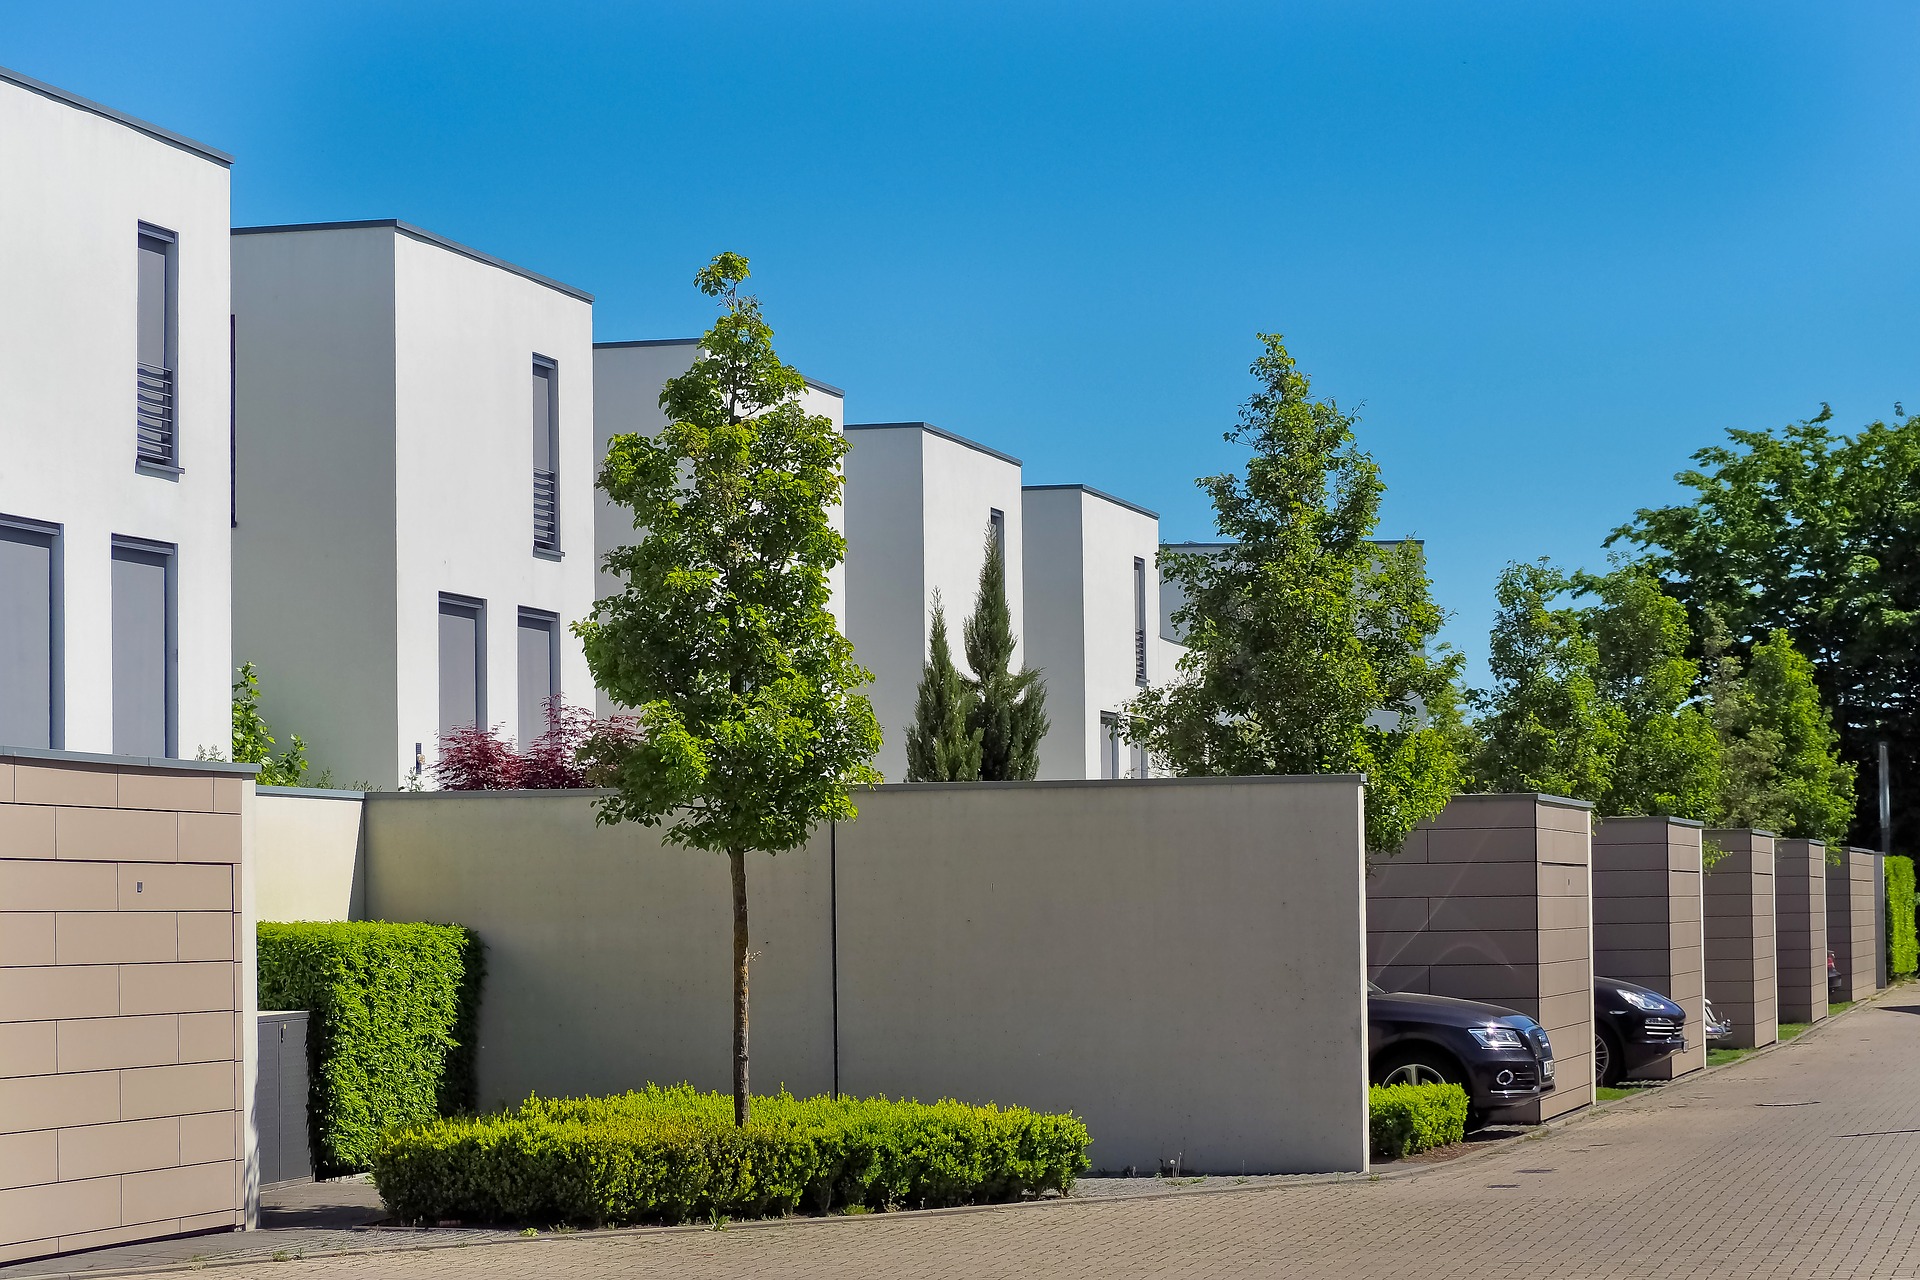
1903 946
674 1155
391 1036
1406 1118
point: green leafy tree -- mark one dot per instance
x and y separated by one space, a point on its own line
749 725
1750 749
941 745
1009 709
253 740
1666 759
1544 724
1310 648
1813 785
1813 532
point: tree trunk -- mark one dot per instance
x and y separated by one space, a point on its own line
741 1103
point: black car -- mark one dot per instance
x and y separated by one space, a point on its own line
1501 1058
1633 1027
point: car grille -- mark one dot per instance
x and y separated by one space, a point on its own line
1663 1029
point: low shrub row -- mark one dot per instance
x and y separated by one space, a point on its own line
673 1155
1903 931
1405 1118
390 1038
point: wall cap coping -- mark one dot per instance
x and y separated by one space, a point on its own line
425 237
1561 802
1091 492
128 762
153 131
1048 784
930 429
1653 817
315 793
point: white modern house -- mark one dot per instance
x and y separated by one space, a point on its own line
413 529
921 503
1092 623
115 490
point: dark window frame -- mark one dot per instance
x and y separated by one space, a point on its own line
170 629
546 483
478 608
55 534
550 623
157 387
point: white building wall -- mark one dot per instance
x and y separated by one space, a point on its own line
433 489
1081 545
76 180
918 503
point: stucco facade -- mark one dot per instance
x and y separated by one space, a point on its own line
920 502
114 625
399 399
1092 623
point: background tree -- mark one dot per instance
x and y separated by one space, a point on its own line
1813 785
1750 749
941 745
1310 649
1543 725
1009 707
750 729
1817 534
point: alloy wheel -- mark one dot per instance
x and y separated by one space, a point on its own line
1602 1058
1415 1073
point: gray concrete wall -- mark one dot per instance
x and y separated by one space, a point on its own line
1850 925
1741 979
1800 928
1180 962
1647 921
126 1001
308 864
1493 901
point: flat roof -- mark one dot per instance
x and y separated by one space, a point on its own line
153 131
932 430
426 237
1101 494
815 383
1219 546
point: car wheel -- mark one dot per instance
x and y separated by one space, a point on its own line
1416 1065
1606 1059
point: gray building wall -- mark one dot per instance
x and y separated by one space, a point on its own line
1492 901
1741 979
1800 928
1647 921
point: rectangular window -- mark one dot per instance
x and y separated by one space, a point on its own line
463 663
28 617
144 721
1139 761
154 394
539 671
1110 745
997 528
546 455
1139 621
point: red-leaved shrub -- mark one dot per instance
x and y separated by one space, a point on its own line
484 759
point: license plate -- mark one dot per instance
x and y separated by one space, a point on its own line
1546 1069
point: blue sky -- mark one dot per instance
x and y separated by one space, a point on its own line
1549 250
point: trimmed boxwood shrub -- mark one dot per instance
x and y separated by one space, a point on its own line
1406 1118
1903 946
390 1038
673 1154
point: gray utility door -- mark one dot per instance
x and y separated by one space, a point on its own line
26 637
280 1099
142 652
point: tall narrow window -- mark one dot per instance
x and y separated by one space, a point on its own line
143 649
154 419
27 620
1138 756
997 528
1139 621
539 671
1109 745
463 663
546 453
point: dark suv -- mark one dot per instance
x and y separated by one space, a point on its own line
1633 1027
1501 1058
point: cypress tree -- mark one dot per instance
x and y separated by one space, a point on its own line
1009 710
941 745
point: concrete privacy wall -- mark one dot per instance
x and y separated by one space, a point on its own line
1850 924
1740 953
1178 961
126 1000
1800 928
307 856
1647 915
1493 901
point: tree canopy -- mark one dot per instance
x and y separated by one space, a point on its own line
941 745
1009 709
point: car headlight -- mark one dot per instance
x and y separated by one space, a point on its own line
1497 1037
1645 1004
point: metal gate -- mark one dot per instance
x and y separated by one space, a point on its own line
280 1099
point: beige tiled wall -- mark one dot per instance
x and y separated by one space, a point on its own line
1800 928
1493 901
1647 921
1742 980
122 1002
1850 926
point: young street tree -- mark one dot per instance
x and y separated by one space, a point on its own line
749 726
1310 649
941 745
1009 707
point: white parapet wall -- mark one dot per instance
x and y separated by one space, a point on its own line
1180 962
308 860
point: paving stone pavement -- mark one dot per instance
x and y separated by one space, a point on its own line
1803 1162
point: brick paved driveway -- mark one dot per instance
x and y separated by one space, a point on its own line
1804 1162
